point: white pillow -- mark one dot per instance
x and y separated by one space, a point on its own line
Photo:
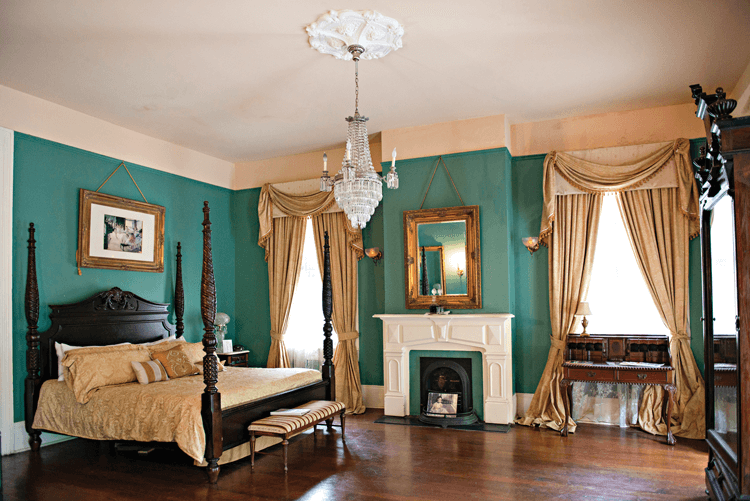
61 348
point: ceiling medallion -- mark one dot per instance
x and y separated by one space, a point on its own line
335 31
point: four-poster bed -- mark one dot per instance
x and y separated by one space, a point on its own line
115 316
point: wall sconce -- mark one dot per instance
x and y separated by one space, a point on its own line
459 271
531 243
375 254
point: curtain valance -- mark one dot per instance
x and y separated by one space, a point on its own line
591 177
298 205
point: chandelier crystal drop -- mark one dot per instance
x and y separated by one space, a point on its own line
357 188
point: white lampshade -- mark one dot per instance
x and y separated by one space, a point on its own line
583 309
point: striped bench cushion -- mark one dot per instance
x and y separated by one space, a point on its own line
319 410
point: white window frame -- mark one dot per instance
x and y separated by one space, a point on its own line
6 290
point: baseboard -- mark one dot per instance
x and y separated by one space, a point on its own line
20 439
373 396
523 401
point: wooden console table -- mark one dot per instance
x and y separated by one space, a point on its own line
609 359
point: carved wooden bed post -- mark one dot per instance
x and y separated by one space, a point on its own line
179 295
211 398
329 372
33 354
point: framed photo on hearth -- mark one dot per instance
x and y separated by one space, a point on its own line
441 403
120 234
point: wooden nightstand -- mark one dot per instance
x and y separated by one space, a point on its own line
234 358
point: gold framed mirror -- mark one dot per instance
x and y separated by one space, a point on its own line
449 238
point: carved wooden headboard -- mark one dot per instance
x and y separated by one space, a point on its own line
108 317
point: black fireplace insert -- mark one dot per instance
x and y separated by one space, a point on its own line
445 391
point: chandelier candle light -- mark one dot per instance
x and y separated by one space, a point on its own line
357 188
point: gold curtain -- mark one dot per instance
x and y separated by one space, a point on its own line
573 243
658 234
664 228
590 177
344 284
310 204
284 249
283 239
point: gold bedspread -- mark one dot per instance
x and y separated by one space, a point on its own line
168 411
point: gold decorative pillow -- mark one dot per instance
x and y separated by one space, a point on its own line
176 362
62 348
88 369
196 353
149 372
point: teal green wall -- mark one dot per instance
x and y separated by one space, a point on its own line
253 312
47 177
371 302
482 178
477 388
532 327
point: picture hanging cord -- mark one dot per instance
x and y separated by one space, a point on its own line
122 164
440 159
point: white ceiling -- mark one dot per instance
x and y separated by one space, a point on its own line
236 79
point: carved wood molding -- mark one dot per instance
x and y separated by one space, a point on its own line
116 299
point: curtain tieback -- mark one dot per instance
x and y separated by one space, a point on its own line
348 336
557 343
680 336
277 336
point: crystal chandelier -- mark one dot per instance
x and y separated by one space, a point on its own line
357 187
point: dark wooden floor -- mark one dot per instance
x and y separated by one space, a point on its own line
382 462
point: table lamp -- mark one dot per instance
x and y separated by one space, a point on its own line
583 310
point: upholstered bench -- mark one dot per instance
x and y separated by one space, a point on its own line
286 427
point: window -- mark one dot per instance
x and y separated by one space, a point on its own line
304 331
723 273
618 296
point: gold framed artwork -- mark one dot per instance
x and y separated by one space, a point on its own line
120 234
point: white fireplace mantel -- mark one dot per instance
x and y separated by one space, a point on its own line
489 333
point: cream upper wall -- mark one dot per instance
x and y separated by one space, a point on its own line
444 138
652 125
297 167
28 114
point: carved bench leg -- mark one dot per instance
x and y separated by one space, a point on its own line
329 424
252 450
285 443
343 427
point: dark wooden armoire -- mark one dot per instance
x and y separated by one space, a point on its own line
723 176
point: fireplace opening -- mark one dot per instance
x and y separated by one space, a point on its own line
445 391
